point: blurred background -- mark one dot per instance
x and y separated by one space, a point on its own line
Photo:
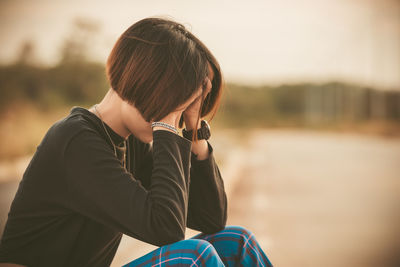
307 136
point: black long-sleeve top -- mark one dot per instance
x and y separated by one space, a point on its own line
76 199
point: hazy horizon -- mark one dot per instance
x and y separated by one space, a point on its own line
255 41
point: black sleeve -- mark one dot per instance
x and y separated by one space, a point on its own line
101 189
207 210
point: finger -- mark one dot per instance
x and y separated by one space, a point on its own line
202 92
207 85
186 104
192 99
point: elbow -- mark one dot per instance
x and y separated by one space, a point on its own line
219 219
169 228
170 235
218 222
206 220
222 223
216 226
170 239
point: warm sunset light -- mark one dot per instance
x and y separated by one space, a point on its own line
305 138
255 41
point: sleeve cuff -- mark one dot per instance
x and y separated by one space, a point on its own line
208 160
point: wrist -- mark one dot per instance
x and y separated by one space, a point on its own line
156 128
161 125
202 131
191 124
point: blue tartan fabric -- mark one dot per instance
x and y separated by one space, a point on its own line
232 246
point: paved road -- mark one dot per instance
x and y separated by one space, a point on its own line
315 199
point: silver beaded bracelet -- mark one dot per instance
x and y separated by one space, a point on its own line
165 125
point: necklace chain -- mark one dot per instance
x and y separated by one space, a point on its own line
105 129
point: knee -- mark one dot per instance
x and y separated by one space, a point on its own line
189 252
199 250
194 244
242 231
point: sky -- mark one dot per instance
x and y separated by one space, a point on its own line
255 42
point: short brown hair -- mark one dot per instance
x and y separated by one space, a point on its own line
157 64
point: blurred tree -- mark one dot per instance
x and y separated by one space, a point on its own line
27 55
77 77
75 48
78 80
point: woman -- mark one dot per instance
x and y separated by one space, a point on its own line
121 167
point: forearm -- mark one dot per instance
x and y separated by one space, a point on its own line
207 209
156 214
207 198
199 147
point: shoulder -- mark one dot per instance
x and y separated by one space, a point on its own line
66 129
52 148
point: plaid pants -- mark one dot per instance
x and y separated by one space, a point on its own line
233 246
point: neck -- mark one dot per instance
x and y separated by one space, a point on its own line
109 110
